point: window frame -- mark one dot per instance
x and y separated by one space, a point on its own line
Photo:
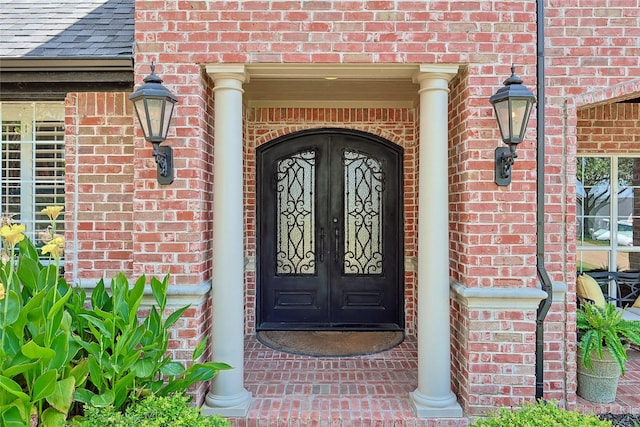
613 247
40 156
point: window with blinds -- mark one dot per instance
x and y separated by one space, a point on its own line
33 164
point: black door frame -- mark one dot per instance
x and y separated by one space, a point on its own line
398 254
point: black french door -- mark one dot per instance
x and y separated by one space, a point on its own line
329 232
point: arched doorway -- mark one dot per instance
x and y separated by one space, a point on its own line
330 235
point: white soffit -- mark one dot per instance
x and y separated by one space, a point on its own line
331 85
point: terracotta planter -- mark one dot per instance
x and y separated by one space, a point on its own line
600 384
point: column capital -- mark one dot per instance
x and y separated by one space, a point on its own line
433 73
228 71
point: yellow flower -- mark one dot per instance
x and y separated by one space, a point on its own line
1 291
54 247
13 234
52 211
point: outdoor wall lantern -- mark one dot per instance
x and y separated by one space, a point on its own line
512 104
154 106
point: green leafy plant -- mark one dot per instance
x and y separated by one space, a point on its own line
604 327
127 356
55 354
38 366
540 414
153 411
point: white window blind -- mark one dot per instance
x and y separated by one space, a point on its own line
32 163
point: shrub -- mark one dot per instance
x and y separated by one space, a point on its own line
55 354
153 411
39 363
127 355
540 414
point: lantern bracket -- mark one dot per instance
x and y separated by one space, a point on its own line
163 154
505 158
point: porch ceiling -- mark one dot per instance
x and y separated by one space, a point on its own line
323 92
311 85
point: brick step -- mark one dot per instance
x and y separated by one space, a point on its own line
352 411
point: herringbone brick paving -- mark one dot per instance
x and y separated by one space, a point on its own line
363 391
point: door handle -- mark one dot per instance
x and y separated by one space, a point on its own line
321 255
336 255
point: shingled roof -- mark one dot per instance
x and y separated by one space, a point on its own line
52 47
66 28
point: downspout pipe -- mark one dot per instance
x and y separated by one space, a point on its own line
542 274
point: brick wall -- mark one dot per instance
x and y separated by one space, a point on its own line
492 245
460 358
501 364
100 211
609 128
122 218
173 224
193 327
591 57
590 49
560 351
490 35
99 185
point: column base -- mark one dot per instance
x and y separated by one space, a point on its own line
426 407
227 406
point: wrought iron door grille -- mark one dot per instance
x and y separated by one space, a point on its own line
295 216
363 190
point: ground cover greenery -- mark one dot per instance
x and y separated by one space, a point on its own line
153 411
540 414
59 355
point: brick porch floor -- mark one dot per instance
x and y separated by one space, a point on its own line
298 391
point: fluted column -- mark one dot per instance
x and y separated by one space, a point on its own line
433 397
227 396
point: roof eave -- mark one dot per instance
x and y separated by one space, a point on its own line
66 64
52 78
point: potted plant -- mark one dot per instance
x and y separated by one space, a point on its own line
602 350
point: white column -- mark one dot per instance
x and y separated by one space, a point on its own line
227 396
433 397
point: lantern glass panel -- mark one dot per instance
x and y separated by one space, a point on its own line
141 110
154 110
167 118
502 114
519 108
525 119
